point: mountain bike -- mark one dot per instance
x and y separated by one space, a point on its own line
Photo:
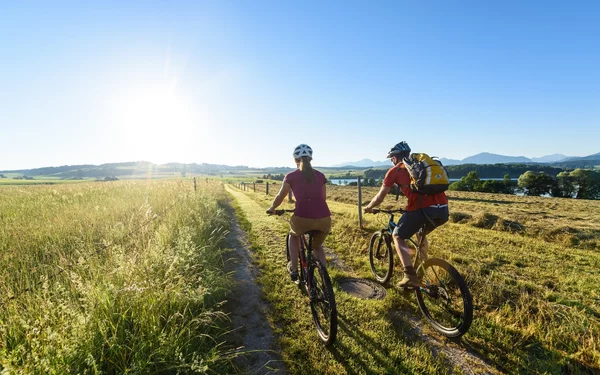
315 281
442 294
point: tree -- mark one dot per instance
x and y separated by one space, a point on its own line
466 183
472 180
494 186
588 183
536 183
565 185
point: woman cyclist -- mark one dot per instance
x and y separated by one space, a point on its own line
311 212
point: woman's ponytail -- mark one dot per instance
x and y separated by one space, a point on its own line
307 171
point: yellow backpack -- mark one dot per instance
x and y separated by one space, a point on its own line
427 175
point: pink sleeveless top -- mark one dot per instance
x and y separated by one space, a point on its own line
310 202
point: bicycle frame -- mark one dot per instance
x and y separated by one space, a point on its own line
305 255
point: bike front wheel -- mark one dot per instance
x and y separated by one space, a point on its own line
322 303
444 298
381 256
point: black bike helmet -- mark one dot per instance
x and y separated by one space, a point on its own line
401 148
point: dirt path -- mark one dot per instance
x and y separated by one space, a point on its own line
248 311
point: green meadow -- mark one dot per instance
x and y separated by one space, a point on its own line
112 278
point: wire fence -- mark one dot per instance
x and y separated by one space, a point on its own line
267 188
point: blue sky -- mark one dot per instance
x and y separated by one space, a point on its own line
244 82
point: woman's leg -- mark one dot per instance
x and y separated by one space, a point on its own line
320 254
294 249
323 225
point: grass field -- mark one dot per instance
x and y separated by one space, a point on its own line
112 278
531 264
126 277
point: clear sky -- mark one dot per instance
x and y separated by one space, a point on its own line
243 82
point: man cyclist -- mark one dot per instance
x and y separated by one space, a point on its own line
420 209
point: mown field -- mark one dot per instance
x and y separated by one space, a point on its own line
532 265
113 278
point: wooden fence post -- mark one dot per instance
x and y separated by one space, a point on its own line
359 202
267 187
290 196
195 185
254 185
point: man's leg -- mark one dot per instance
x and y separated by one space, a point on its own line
403 251
408 225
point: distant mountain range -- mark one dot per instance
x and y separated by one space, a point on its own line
142 169
482 158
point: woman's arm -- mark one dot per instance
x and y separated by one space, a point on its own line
283 192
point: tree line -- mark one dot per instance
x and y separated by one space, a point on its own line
579 184
539 180
483 170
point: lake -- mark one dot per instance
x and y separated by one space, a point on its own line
346 181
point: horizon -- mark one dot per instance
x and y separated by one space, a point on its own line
239 83
339 165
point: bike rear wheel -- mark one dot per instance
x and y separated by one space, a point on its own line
444 298
381 256
322 303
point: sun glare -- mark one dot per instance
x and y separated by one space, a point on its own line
155 124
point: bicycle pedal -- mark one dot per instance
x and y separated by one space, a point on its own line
411 288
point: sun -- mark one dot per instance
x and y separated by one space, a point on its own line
155 124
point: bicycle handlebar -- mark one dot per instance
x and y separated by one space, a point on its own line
279 212
378 210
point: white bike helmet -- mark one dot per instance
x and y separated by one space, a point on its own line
399 148
302 150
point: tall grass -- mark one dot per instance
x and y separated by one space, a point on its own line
119 277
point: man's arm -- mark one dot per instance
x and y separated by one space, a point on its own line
283 192
376 201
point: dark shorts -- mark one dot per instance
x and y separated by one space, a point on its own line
412 221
